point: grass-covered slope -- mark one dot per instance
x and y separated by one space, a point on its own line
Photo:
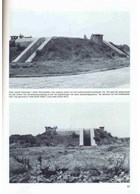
73 49
69 56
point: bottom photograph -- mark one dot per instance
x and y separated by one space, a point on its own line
69 142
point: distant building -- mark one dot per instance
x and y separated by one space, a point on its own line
50 130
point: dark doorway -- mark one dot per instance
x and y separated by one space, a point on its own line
87 140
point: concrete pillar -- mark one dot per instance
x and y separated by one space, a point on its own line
92 137
81 143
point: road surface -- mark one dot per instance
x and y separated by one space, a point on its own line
118 78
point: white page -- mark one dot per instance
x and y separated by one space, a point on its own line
74 101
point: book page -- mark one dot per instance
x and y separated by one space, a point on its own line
68 74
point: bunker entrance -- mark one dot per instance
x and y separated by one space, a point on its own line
87 139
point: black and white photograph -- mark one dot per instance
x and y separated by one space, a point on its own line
74 49
69 142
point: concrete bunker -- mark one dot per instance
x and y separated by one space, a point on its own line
97 38
87 137
78 137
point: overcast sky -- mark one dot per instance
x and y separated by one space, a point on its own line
28 20
31 118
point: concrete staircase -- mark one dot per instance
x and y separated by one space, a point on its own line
115 49
39 48
29 50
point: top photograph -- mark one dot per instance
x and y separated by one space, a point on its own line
73 50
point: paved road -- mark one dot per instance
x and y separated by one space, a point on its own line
107 79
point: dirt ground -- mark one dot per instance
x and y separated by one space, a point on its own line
97 164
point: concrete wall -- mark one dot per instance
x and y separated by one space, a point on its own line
115 49
29 50
81 140
47 39
92 135
87 137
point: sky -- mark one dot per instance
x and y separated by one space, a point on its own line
28 20
31 118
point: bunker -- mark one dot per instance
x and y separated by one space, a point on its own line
97 38
87 137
